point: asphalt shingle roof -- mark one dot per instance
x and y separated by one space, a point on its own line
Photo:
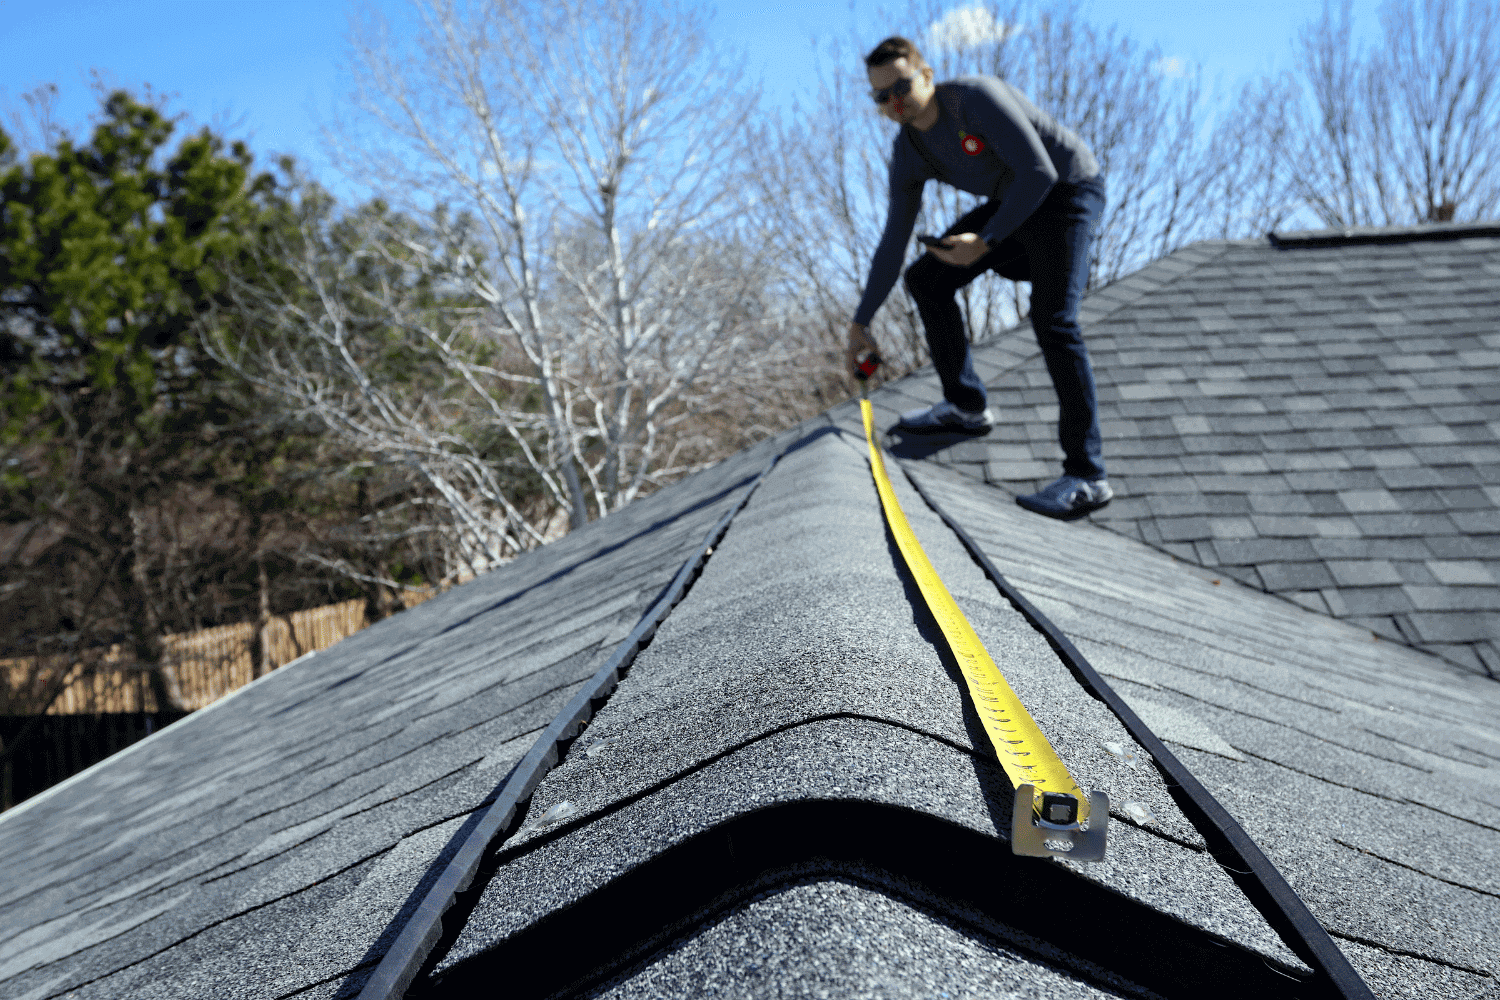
1357 764
800 669
789 793
1315 414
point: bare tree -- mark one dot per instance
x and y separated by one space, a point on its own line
608 273
1404 133
1249 188
37 128
339 324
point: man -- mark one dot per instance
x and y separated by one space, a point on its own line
1046 194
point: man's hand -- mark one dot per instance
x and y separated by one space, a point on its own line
965 249
860 342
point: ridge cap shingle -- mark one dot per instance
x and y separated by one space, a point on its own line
1353 235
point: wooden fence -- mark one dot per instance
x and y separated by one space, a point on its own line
107 702
207 664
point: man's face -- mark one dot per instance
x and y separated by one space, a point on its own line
903 109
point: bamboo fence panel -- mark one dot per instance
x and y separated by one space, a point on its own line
207 664
113 686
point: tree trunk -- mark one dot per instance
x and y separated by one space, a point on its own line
379 602
145 635
260 646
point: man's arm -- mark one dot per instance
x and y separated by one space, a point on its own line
901 217
990 110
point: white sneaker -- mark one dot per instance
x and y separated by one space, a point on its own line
945 417
1069 498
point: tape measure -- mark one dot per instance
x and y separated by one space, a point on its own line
1052 816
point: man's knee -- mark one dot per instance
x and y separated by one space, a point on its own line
923 278
1057 329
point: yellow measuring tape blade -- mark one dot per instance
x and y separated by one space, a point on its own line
1023 750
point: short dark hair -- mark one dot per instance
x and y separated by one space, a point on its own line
894 48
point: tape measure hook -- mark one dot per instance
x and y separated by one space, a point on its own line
1055 831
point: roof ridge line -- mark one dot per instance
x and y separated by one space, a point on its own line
1127 290
1357 235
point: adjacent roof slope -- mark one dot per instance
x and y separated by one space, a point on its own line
789 792
1316 415
269 843
1370 774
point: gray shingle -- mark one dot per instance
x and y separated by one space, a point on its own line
1286 526
1461 571
1406 525
1363 572
1412 477
1352 481
1373 600
1477 522
1358 501
1251 551
1472 498
1312 600
1394 458
1303 576
1182 529
1338 527
1212 444
1242 483
1244 464
1456 626
1172 505
1465 546
1454 598
1419 501
1371 548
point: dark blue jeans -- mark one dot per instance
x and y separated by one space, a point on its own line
1052 249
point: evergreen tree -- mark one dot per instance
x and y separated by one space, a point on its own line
109 253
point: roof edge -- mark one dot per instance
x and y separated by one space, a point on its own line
1354 235
151 740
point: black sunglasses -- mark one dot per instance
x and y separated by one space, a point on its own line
900 88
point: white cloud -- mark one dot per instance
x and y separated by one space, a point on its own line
1171 67
966 27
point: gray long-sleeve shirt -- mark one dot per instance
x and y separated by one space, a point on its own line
1026 153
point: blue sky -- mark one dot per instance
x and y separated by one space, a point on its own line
270 70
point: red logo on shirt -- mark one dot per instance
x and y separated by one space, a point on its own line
973 145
